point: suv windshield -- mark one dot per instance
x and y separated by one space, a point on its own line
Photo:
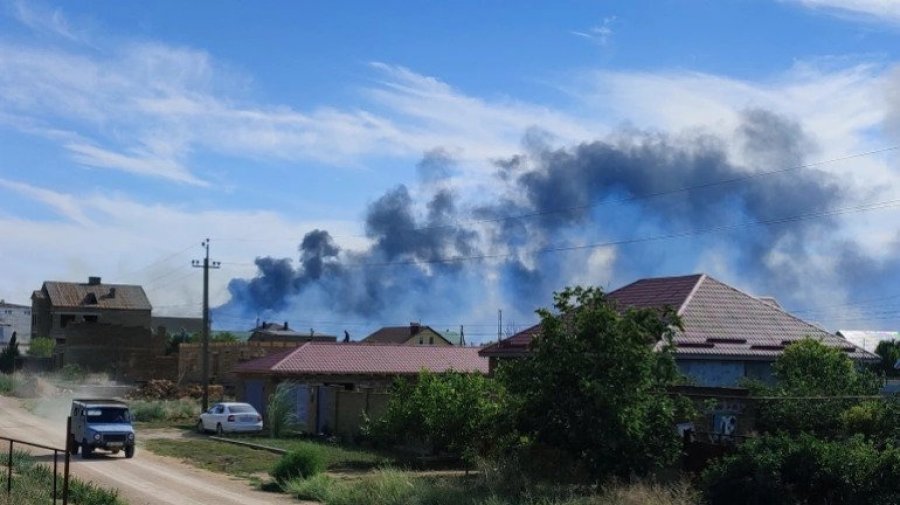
107 415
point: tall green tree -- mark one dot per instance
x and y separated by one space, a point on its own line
9 355
889 352
594 385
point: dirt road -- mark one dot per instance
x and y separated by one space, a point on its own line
147 479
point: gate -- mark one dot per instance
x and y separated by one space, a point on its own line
253 394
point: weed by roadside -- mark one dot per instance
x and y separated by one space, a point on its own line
32 484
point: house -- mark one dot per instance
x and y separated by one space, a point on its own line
14 319
337 385
414 334
868 340
58 305
728 335
274 332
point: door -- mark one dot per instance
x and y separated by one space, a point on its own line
253 394
301 409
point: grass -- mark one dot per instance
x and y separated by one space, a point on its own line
164 413
244 461
216 456
393 487
32 484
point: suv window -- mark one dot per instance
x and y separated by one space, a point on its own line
107 415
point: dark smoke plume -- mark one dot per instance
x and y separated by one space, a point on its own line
630 184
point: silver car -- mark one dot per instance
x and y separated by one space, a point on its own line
230 417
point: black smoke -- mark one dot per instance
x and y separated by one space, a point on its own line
435 256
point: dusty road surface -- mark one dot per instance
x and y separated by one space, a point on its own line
146 479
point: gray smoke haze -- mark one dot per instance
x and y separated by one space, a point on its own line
630 184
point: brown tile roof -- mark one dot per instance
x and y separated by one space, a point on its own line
719 321
96 296
399 334
323 358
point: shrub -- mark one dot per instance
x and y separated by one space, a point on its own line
147 411
163 410
8 384
72 373
303 462
41 347
280 415
784 470
317 488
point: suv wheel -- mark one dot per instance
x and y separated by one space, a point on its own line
86 450
129 451
73 445
219 430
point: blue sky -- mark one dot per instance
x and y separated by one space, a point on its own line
128 133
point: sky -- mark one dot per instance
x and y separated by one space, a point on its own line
358 164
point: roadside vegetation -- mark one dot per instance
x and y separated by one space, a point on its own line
32 484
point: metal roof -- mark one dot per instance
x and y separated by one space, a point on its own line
323 358
719 321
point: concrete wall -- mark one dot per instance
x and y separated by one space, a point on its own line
223 357
48 321
16 319
129 354
328 406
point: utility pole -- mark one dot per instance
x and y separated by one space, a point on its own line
205 265
499 325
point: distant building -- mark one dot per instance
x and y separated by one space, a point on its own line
414 334
274 332
14 319
60 305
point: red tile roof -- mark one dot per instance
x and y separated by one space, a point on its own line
719 321
322 358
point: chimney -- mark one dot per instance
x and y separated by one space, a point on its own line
414 328
286 326
93 281
112 292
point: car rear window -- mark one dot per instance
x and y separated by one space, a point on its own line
241 409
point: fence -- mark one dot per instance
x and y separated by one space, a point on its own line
65 482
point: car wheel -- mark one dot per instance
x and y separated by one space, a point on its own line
200 428
219 430
129 451
86 450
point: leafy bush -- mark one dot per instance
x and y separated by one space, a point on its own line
41 347
786 470
8 384
280 413
163 410
304 462
451 412
72 373
811 369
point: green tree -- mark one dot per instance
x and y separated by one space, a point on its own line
41 347
889 352
815 385
451 412
9 355
594 385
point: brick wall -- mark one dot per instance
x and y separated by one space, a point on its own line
126 353
223 357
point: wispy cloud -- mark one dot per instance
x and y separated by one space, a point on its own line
64 205
42 19
882 10
599 34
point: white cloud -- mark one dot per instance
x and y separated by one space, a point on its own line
123 239
44 20
600 34
883 10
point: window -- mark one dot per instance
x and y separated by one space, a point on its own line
430 340
66 319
